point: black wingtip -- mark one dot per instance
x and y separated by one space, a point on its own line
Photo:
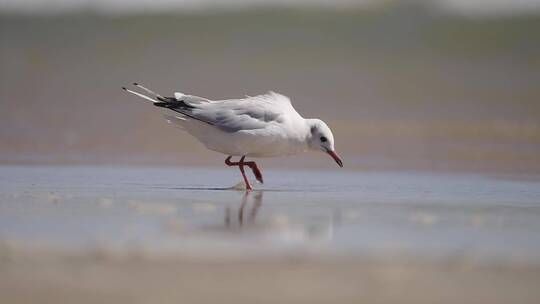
135 83
124 88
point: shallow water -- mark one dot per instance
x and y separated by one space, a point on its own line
186 211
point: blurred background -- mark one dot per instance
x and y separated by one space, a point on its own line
429 85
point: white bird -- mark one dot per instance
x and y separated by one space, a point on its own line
259 126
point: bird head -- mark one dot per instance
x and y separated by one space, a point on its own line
320 138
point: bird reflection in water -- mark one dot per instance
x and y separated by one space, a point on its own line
256 202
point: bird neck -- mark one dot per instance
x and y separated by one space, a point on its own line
307 134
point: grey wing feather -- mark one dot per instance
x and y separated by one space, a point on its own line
242 114
233 120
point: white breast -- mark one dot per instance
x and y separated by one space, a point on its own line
267 142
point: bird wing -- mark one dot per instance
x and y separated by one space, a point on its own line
235 115
190 98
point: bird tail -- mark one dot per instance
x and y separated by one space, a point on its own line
190 99
180 100
157 96
158 100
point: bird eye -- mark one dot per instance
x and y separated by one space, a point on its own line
323 139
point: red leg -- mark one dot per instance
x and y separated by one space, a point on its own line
229 163
240 165
251 164
256 171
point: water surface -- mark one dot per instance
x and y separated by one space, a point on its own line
187 211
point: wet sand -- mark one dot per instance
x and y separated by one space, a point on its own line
146 235
95 279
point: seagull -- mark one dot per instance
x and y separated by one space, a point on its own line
259 126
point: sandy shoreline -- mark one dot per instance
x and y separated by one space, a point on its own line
90 278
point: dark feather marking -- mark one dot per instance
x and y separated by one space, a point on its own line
178 106
171 102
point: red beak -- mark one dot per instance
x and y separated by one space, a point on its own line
334 155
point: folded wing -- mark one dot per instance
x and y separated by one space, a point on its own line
234 115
